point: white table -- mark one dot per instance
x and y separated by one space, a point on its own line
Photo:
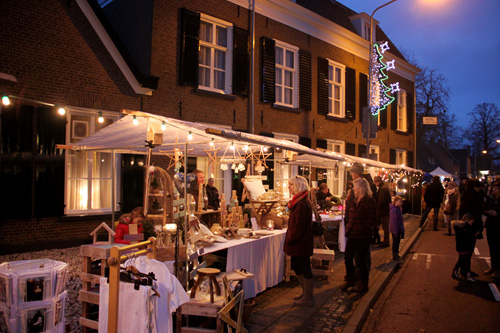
263 257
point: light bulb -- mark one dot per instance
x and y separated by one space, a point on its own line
245 147
101 118
135 121
265 149
241 167
190 136
212 142
232 146
163 126
61 110
5 99
233 166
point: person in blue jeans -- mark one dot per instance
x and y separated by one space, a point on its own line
396 226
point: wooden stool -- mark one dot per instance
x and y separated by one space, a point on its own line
318 255
209 273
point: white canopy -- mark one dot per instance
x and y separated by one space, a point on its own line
440 172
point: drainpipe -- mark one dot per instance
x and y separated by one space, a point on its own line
251 92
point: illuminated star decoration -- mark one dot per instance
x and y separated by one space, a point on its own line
379 98
176 156
212 154
391 65
394 87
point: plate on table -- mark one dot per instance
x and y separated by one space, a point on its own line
263 233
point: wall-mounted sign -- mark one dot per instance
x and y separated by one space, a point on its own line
430 120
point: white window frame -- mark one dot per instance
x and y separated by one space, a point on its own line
279 168
376 150
400 157
401 112
335 177
295 72
89 156
213 47
366 30
332 66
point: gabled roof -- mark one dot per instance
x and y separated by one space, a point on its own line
141 83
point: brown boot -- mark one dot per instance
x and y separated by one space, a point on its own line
360 287
308 298
301 282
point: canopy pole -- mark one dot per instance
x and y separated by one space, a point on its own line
113 184
186 221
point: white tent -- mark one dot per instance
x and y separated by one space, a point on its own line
440 172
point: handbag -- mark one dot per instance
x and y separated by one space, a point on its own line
317 228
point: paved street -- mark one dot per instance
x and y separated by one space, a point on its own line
334 311
422 296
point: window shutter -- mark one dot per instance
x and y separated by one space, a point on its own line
350 93
394 112
409 113
361 150
322 86
409 158
350 149
320 143
363 94
190 35
305 80
268 70
392 157
305 141
241 61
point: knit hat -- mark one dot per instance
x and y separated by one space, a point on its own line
357 168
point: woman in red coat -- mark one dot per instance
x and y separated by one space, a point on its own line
299 238
135 217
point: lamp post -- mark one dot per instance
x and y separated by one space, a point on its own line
370 52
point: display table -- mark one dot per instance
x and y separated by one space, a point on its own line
263 257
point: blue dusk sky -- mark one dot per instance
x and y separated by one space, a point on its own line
459 38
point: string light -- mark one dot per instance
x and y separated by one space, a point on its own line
61 110
5 99
163 126
232 145
190 136
212 142
135 121
101 118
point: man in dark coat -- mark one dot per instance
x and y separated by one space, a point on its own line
383 198
433 198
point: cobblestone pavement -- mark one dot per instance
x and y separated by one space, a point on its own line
334 310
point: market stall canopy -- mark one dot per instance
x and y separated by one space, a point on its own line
131 133
440 172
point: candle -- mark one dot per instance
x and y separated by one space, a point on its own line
270 224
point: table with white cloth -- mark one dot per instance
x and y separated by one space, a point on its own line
263 257
334 222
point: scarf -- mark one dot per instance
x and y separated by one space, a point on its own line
296 198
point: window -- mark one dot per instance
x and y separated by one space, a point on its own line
215 55
367 31
375 152
286 80
336 86
88 174
400 157
283 172
335 176
402 111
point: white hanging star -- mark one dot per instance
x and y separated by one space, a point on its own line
384 47
391 65
394 87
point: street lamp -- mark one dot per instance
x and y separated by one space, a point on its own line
370 51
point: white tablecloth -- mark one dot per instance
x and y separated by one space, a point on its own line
262 257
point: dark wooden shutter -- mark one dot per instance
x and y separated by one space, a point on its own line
409 158
268 70
241 61
350 149
392 157
394 112
361 150
322 86
305 77
409 113
363 94
305 141
350 93
320 143
190 37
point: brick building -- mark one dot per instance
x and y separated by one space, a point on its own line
188 60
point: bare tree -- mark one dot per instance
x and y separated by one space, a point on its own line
484 128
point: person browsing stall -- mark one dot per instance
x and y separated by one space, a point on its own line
299 238
324 198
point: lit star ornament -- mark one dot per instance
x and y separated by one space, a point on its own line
384 47
390 65
394 87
